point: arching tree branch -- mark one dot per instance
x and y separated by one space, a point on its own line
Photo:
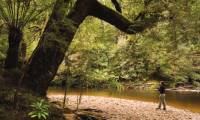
117 5
102 12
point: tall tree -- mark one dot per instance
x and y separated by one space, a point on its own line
16 14
59 33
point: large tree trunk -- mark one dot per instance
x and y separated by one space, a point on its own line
14 38
54 42
58 35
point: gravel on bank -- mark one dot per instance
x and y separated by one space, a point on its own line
121 109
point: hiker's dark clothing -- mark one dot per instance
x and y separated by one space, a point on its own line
162 89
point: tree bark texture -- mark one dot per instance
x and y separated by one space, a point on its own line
14 38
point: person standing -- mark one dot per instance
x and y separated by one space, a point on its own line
161 90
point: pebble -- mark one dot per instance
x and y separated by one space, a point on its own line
121 109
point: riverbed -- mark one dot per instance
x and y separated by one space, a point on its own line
182 100
122 109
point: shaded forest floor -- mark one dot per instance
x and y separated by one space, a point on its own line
121 109
18 109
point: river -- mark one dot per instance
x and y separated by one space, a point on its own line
183 100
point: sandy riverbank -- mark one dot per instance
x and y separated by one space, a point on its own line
121 109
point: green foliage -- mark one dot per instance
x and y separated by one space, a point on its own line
101 55
40 110
197 84
114 84
28 16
